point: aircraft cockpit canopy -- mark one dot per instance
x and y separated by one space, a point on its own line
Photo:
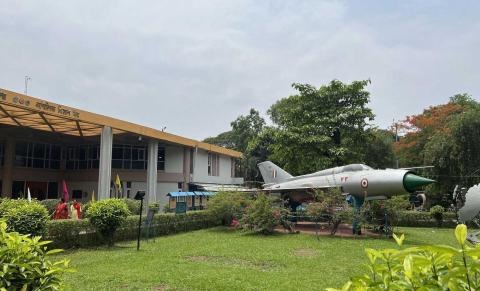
347 168
355 168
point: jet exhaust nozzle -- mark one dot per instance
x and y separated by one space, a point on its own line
412 182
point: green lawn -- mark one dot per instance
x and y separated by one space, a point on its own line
221 259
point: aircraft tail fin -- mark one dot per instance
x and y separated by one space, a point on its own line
272 173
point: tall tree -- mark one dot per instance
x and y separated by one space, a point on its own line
378 152
446 136
245 129
321 127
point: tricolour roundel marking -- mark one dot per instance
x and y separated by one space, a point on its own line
364 183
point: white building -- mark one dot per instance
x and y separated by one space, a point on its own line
43 144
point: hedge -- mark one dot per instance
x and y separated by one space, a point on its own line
69 233
405 218
424 219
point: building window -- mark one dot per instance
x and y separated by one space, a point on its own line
83 157
37 155
161 159
213 164
129 157
124 156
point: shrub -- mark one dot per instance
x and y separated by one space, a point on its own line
228 205
382 214
85 209
434 267
25 264
399 202
30 218
316 210
106 216
51 205
424 219
133 205
70 233
261 216
154 206
437 213
7 204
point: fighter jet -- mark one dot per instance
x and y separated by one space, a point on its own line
358 180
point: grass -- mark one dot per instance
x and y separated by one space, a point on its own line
222 259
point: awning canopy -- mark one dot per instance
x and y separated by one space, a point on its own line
204 193
186 194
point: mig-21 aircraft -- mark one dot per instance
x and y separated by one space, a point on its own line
357 180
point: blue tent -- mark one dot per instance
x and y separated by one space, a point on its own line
180 194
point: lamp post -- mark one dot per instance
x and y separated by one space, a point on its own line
139 196
27 78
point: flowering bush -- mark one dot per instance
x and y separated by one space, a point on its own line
228 205
261 216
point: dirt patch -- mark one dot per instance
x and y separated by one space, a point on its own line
264 266
305 252
344 230
161 287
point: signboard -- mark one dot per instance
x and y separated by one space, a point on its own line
181 208
39 105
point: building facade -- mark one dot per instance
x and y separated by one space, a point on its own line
43 144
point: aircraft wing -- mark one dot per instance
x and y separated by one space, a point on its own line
297 188
420 167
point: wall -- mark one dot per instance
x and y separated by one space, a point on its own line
200 174
162 190
173 159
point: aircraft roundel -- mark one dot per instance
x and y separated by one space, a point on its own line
364 183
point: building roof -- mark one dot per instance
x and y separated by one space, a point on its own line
21 110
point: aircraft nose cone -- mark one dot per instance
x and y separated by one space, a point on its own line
412 182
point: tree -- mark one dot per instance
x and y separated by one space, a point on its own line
224 139
321 127
446 136
379 149
245 129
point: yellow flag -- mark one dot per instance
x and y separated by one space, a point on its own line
118 183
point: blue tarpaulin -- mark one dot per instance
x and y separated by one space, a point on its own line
180 194
185 194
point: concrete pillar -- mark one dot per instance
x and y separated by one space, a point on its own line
105 167
8 161
186 168
152 171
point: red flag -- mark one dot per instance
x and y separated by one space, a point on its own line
66 196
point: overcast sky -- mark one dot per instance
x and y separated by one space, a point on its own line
194 66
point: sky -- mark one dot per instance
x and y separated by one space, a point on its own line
195 66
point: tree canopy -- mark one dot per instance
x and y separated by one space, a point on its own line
321 127
446 136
